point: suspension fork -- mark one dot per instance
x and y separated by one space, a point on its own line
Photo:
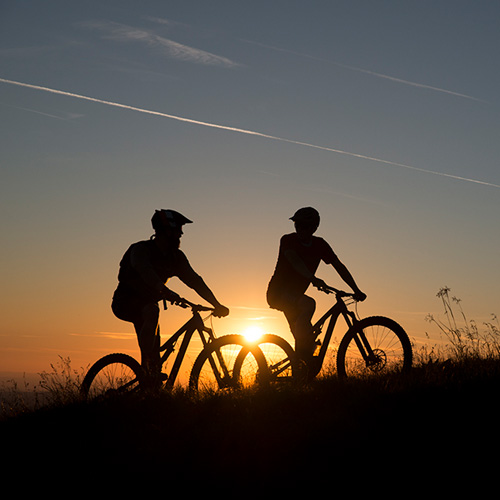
360 340
200 326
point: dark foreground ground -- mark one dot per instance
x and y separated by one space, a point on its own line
436 432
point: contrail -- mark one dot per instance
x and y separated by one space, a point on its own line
368 72
413 84
33 111
243 131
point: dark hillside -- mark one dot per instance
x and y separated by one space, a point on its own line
441 418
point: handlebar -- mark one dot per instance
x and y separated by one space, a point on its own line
330 289
184 303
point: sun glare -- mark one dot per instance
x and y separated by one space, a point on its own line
253 333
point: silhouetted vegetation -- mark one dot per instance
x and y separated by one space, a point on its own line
446 408
466 339
442 416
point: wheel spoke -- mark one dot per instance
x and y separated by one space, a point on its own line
375 345
112 375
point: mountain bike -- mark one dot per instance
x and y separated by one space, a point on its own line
120 373
372 345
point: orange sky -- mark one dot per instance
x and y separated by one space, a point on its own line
371 115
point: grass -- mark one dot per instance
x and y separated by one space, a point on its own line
56 387
465 338
442 417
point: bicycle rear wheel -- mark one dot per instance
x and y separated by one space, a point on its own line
374 345
112 375
213 369
280 357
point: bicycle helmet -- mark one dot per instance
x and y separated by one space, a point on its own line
307 215
165 219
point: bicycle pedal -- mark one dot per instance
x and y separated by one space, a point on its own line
317 347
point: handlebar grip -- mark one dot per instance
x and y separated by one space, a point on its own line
331 289
184 303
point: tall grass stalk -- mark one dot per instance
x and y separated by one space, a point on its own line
18 396
56 387
465 338
62 384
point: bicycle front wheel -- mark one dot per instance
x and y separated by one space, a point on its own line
112 375
280 357
374 345
213 369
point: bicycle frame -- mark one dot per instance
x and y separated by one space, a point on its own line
284 363
337 310
196 323
334 313
119 372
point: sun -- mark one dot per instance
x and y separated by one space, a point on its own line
253 333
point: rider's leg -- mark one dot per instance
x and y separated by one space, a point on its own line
299 311
148 335
302 328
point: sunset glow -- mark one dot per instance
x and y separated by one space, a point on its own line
237 115
253 333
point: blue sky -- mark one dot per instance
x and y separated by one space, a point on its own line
384 115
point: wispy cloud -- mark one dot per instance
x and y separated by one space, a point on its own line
164 22
248 132
169 48
109 335
69 116
368 72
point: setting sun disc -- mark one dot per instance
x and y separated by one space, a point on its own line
253 333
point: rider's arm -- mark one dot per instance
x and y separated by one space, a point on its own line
347 277
341 269
193 280
298 264
201 288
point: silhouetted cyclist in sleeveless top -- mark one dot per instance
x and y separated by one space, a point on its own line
299 256
144 269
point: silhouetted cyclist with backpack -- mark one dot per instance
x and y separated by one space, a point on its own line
144 269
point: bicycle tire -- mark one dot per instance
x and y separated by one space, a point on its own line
390 344
281 360
113 374
209 375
